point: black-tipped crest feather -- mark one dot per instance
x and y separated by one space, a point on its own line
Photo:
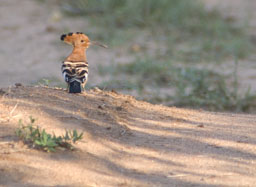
62 37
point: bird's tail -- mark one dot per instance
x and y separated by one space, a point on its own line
74 87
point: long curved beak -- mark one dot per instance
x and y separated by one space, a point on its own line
98 44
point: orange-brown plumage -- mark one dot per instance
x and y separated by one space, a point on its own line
78 54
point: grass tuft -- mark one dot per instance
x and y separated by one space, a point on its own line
39 138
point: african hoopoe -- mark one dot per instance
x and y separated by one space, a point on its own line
75 67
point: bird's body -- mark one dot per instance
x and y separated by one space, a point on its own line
75 71
75 66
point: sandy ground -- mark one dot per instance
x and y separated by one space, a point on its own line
126 142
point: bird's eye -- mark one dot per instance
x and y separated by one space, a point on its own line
82 41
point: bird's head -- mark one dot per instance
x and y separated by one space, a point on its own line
79 39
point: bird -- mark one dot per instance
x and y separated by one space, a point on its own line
75 67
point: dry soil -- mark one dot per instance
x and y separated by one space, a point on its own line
126 142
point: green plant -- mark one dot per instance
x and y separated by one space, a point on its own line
39 138
160 81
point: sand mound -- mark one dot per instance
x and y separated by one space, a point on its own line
126 142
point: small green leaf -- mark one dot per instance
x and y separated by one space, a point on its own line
74 133
67 136
32 120
80 136
37 142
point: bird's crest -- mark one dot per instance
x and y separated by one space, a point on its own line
79 39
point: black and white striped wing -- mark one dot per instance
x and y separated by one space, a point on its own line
72 71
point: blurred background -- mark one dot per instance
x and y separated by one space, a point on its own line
196 54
